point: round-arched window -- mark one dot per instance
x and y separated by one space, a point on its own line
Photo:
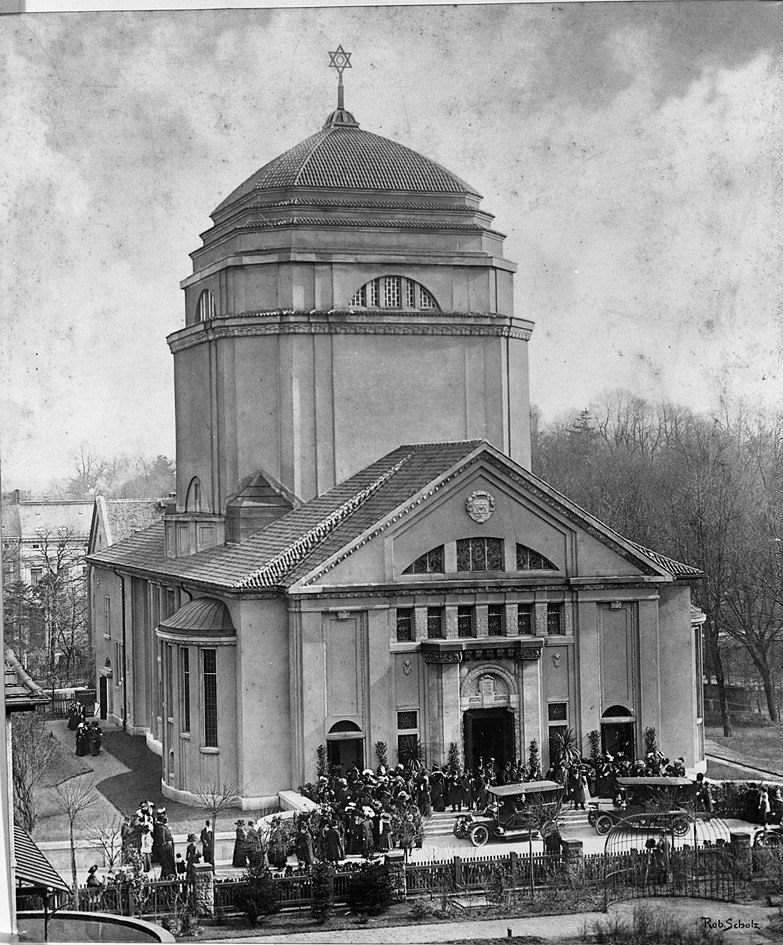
395 292
193 498
205 307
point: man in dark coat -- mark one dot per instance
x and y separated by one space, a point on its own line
207 843
240 846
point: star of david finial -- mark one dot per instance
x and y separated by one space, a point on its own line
340 60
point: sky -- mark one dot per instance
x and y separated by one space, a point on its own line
628 151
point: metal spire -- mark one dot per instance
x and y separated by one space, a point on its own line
340 60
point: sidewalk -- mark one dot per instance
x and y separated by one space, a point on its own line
552 928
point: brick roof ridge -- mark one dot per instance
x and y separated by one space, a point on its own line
279 565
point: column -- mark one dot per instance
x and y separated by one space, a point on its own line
531 704
587 661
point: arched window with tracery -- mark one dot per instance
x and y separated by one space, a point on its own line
530 560
205 307
431 562
395 292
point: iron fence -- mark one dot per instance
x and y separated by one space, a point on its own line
709 873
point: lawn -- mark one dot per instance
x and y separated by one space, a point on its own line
759 747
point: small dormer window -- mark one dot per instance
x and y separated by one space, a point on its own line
394 292
205 307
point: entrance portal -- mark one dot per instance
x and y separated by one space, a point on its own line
617 737
343 752
489 733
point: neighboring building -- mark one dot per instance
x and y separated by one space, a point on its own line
114 520
314 582
43 534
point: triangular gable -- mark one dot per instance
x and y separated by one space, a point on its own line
647 563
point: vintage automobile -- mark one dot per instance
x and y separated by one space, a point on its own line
515 812
647 796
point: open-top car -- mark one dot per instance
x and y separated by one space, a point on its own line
515 812
669 796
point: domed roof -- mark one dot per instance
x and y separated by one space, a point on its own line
343 157
204 615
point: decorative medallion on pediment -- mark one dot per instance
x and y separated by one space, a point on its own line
480 506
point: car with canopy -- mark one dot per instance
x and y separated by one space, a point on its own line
516 811
671 796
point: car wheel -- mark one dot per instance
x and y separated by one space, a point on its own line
459 831
603 824
591 818
479 835
680 826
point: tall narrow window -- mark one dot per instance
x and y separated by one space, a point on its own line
525 619
209 658
184 689
107 616
435 623
465 621
205 307
404 624
495 620
169 681
554 619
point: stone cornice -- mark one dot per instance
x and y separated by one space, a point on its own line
345 323
480 650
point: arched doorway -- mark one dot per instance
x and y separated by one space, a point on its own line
345 746
618 731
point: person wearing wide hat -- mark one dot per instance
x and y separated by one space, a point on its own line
385 832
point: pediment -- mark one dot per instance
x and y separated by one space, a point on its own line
488 502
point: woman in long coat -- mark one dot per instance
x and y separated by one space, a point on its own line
305 851
240 846
82 740
437 790
384 833
168 868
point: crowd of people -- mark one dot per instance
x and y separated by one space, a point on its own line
368 812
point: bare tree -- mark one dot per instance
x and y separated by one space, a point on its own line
32 751
74 798
218 796
106 836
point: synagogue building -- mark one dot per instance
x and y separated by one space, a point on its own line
358 550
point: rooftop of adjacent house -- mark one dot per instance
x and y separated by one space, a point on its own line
21 693
34 518
314 536
125 517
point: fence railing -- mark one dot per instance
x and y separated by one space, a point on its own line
704 873
58 706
